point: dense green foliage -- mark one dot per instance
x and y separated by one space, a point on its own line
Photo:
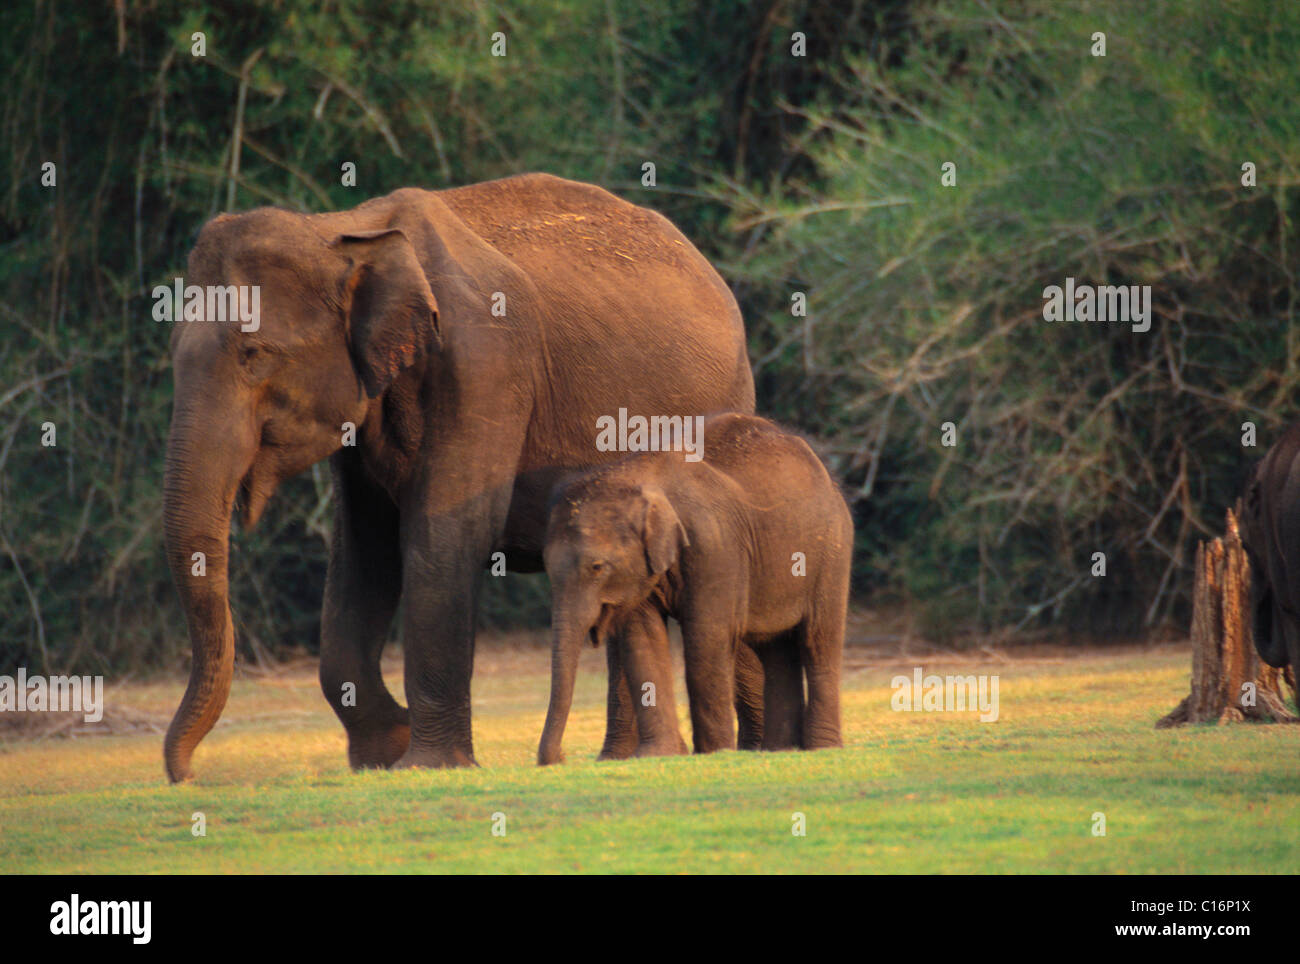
818 174
926 301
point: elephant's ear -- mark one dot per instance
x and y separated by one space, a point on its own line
662 532
390 313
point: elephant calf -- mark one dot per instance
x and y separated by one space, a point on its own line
747 548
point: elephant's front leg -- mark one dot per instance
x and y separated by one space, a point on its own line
454 510
442 577
621 736
443 560
361 594
642 636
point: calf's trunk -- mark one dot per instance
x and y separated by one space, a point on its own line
567 641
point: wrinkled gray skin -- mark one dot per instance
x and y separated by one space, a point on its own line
382 316
712 544
1269 523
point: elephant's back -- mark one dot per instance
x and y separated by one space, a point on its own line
632 306
529 217
739 442
581 242
769 462
793 501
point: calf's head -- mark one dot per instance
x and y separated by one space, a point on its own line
607 547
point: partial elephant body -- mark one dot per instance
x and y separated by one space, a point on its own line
473 337
1269 517
749 549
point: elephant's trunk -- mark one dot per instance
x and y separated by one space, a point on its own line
567 639
199 487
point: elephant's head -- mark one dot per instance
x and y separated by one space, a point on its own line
341 314
607 548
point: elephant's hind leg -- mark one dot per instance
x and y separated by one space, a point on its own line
749 698
822 652
783 696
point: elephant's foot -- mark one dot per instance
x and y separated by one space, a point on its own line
621 738
826 739
783 722
827 744
713 731
712 748
714 742
674 746
378 747
780 738
435 758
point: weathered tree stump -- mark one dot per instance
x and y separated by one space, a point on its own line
1229 680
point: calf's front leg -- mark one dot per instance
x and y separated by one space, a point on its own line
642 636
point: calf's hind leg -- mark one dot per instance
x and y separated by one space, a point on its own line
822 651
749 699
783 698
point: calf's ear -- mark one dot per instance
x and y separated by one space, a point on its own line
390 314
662 532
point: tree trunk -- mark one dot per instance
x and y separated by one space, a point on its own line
1229 680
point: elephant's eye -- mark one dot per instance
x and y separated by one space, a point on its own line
256 360
597 566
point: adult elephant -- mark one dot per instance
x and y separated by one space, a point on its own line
1269 515
473 337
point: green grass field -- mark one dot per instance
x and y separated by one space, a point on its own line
910 792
